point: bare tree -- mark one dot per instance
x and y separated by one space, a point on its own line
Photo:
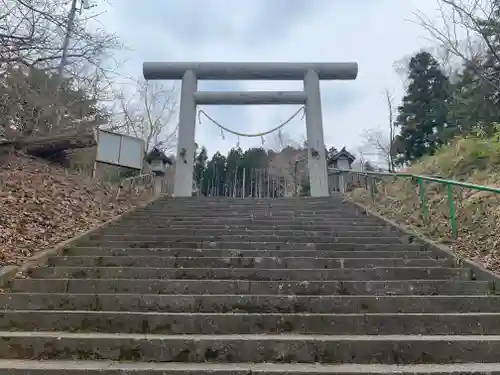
280 140
149 114
378 142
390 151
288 161
35 33
29 106
40 39
466 33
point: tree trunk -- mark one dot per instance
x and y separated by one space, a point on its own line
47 145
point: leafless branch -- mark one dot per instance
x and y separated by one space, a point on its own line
32 34
148 113
378 142
466 35
288 161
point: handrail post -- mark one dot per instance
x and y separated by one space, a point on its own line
423 203
452 211
372 188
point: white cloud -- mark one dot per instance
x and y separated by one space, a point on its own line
375 33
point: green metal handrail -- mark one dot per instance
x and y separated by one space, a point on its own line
420 181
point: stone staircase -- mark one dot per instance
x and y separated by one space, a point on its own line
238 287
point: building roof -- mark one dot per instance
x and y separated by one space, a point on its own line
342 152
156 154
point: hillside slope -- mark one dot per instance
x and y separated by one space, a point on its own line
43 204
472 159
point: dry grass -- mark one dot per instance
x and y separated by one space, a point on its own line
43 204
471 159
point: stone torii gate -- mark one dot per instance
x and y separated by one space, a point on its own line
191 72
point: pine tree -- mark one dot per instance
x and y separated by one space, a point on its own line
423 115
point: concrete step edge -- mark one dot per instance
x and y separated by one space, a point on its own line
250 323
244 258
244 315
224 231
59 335
267 296
225 237
266 269
245 368
235 281
407 247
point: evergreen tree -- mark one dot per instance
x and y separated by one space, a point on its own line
214 176
234 171
305 188
473 102
254 159
200 162
423 115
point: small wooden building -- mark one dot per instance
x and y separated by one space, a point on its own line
342 160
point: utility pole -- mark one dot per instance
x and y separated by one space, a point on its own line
64 60
67 39
69 30
65 49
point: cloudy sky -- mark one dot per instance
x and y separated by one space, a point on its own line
374 33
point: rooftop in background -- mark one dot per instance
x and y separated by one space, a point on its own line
343 153
157 154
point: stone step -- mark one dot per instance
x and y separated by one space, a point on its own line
250 203
293 209
126 223
340 217
170 241
246 205
138 234
242 262
398 252
257 304
251 200
278 214
322 209
214 223
290 227
265 246
360 274
403 287
237 323
291 348
121 227
30 367
246 219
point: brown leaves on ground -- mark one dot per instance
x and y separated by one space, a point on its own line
469 159
43 204
477 215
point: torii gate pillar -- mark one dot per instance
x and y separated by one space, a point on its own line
310 73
